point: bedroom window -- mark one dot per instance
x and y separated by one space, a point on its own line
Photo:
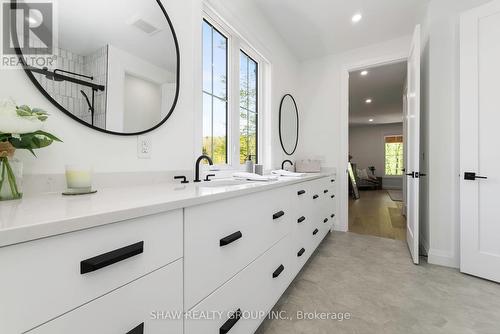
394 158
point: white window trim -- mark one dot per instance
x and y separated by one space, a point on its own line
236 43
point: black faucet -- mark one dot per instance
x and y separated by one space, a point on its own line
283 163
197 166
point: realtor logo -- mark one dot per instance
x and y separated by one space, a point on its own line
28 27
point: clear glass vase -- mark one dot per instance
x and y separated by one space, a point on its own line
11 174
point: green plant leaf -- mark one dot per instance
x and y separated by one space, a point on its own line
49 135
23 113
42 118
25 108
39 111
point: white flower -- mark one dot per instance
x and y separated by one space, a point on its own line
11 122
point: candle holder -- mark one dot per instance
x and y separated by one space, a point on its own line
78 180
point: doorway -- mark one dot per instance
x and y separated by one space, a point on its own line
376 150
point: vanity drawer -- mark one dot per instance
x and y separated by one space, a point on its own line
222 238
138 305
43 279
254 291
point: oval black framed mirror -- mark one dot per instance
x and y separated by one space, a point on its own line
115 69
289 124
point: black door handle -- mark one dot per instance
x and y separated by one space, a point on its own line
301 252
278 271
325 220
278 215
315 196
301 192
107 259
233 319
301 219
333 196
332 180
230 238
332 215
315 231
412 174
471 176
138 330
325 191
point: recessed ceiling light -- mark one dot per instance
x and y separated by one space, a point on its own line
356 17
364 73
368 101
370 120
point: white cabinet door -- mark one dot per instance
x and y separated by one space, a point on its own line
480 155
150 305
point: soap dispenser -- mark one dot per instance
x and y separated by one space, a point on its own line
249 164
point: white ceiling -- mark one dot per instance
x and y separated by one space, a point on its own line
384 85
315 28
85 26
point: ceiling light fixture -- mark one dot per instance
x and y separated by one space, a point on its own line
356 18
364 73
368 101
370 120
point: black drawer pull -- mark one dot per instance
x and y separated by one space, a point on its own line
332 215
107 259
332 180
278 271
301 219
325 220
315 196
278 215
315 231
333 196
230 239
325 191
138 330
301 252
233 319
301 192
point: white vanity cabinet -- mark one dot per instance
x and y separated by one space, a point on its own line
43 279
202 265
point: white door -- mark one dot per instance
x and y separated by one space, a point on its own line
479 139
412 127
405 150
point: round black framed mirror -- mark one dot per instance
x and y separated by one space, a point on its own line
115 64
289 124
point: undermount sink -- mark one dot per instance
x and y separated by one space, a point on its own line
224 183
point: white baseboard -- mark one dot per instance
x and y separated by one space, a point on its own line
442 258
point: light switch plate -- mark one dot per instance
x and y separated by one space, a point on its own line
144 147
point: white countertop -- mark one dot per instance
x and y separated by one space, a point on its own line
50 214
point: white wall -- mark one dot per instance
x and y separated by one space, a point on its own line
178 140
367 146
441 113
142 104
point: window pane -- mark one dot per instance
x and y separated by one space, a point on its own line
207 57
243 81
248 108
207 124
252 85
215 94
219 65
393 157
219 131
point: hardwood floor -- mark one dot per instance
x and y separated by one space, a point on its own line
375 213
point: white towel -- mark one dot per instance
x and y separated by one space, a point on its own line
283 172
254 177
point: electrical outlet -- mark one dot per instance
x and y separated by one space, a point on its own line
144 147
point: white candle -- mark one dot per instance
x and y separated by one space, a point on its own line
79 178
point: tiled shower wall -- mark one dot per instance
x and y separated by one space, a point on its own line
68 94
